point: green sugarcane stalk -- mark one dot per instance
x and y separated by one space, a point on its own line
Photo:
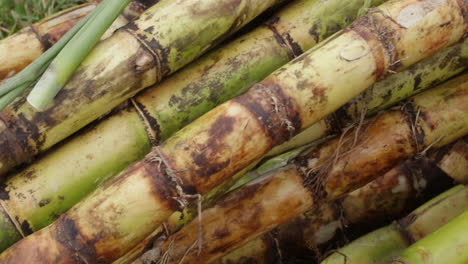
449 244
323 174
133 58
107 148
20 49
74 52
385 243
198 158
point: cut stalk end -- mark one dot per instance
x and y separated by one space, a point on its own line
45 90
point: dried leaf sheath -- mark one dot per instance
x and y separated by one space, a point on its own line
383 143
20 49
200 156
111 74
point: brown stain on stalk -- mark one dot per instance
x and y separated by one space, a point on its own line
57 31
69 232
285 39
22 138
34 252
211 160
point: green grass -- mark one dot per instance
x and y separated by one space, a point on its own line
16 14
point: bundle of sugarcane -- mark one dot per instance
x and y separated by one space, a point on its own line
428 72
193 160
37 195
324 173
387 197
20 49
385 243
165 38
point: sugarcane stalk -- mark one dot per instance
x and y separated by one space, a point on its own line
22 48
101 152
112 74
385 243
383 94
429 73
198 158
449 244
63 66
261 206
385 198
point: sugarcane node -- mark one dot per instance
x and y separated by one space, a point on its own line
285 39
160 54
152 127
275 111
412 116
184 192
375 28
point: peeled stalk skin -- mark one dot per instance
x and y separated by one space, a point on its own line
384 142
202 155
20 49
134 57
449 244
214 78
